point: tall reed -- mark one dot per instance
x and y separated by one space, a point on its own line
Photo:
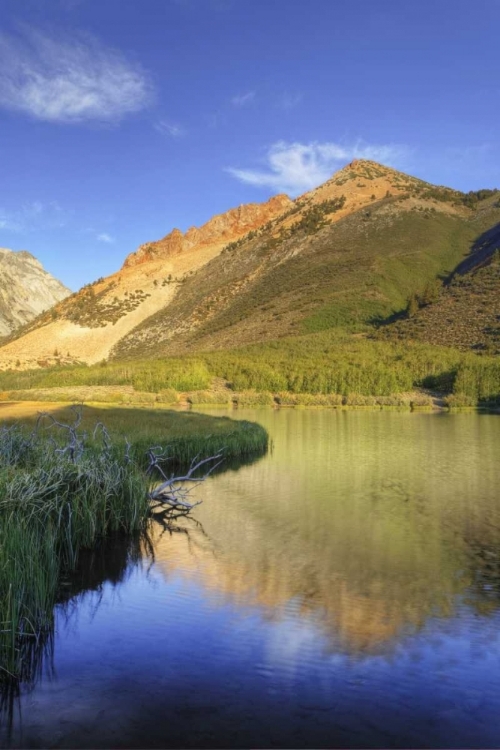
53 504
62 489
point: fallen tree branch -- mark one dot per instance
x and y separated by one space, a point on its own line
173 491
171 494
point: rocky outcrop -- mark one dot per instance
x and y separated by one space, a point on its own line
26 289
220 230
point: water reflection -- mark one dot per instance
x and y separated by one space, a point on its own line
343 591
111 562
370 522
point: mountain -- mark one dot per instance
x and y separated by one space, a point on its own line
26 289
86 325
347 254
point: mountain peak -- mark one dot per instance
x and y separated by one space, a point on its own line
362 181
26 289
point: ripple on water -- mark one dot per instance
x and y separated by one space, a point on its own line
343 591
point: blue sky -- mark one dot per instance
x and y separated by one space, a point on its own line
121 119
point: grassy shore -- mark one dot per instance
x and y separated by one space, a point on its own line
59 496
186 433
100 399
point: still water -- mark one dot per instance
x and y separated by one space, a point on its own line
344 591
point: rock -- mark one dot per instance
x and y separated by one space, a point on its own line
26 289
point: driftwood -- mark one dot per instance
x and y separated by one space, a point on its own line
170 495
76 443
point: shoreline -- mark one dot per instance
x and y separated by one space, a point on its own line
17 408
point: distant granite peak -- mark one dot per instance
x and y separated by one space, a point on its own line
26 289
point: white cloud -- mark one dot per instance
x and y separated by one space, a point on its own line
106 238
33 217
241 100
172 129
68 79
297 167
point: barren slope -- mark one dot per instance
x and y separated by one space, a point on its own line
88 324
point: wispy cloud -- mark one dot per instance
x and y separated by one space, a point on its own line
243 100
33 216
173 129
69 79
289 101
104 237
297 167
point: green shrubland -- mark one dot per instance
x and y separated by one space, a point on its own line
151 376
329 362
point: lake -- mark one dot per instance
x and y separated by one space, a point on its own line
342 591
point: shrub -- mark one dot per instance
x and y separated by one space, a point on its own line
459 400
207 397
253 398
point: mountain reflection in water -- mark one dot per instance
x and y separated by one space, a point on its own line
343 591
372 530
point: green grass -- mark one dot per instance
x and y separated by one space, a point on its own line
150 376
55 503
50 507
186 433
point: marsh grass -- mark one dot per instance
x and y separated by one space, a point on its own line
52 504
184 433
63 490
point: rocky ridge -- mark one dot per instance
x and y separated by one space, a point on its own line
219 230
86 325
26 289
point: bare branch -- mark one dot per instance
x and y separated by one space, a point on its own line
173 486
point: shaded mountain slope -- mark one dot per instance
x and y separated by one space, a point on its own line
466 313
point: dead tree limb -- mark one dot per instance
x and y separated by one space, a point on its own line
76 442
174 491
171 494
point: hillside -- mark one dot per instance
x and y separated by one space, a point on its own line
466 311
90 322
26 289
349 253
